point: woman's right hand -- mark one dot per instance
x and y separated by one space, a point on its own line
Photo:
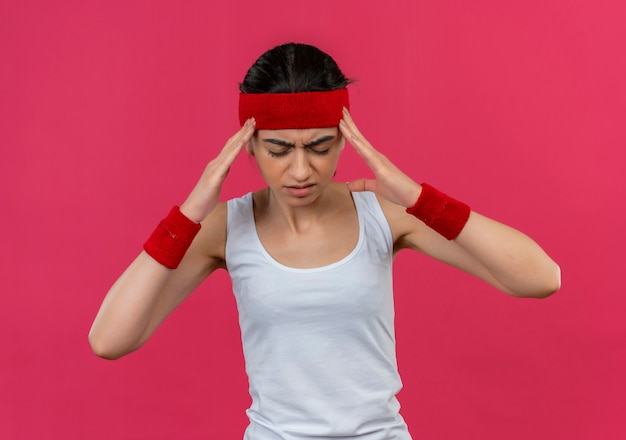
205 195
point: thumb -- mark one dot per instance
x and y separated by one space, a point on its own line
362 185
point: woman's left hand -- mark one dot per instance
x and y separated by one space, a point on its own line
390 183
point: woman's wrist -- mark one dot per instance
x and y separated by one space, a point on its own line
192 214
440 212
171 238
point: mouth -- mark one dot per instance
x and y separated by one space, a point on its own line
300 190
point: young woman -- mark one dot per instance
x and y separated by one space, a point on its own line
310 259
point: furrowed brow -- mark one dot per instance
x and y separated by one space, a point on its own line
319 141
279 142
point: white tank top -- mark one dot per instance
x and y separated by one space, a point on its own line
318 343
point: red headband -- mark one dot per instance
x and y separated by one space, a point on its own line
276 111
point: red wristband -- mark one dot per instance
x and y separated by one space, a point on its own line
440 212
171 239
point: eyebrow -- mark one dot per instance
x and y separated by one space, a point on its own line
314 143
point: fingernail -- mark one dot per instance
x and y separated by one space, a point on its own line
345 110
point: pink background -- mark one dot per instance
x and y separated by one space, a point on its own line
109 111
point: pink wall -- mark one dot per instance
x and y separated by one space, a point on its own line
109 111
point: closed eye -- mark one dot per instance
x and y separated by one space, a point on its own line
278 153
320 152
286 151
318 146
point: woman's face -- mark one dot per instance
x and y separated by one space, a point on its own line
297 165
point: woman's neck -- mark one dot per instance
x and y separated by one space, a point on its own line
298 218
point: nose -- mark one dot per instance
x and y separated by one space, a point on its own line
300 167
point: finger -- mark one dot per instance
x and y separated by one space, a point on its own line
372 158
360 185
351 132
355 132
347 117
243 135
235 144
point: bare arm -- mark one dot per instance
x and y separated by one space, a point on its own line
496 253
485 248
147 292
